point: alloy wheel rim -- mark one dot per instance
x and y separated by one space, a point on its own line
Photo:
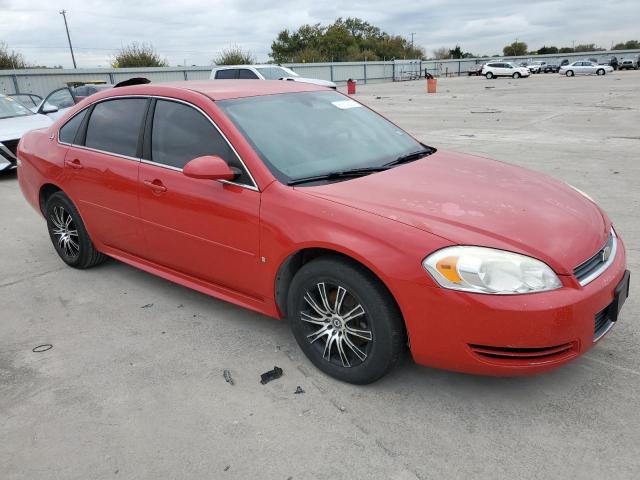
65 232
337 325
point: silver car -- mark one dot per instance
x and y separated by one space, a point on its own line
15 120
584 68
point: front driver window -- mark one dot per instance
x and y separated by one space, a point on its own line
60 99
180 133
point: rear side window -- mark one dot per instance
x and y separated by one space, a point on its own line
230 73
69 130
181 133
114 125
247 74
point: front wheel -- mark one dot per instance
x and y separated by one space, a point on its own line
516 75
569 73
68 233
489 75
345 321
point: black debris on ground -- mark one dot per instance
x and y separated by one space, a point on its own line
299 390
227 377
147 305
270 375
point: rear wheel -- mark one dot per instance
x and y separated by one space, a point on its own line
345 321
489 75
569 73
600 71
69 235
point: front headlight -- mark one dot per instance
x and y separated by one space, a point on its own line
487 270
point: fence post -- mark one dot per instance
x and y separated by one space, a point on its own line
393 72
112 80
331 71
184 72
14 77
365 71
458 67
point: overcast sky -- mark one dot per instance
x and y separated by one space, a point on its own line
193 31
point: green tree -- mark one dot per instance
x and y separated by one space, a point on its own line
515 49
628 45
587 47
456 52
547 50
10 59
343 40
138 55
565 50
235 55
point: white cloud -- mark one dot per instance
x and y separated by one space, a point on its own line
193 31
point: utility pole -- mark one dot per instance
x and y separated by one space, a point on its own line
64 15
412 34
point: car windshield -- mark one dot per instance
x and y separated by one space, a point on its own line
299 135
275 73
12 108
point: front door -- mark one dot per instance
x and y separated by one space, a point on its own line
204 228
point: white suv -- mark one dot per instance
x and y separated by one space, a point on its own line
504 69
263 72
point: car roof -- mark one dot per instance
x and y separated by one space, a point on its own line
214 89
260 65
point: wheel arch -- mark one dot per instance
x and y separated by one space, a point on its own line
292 264
46 190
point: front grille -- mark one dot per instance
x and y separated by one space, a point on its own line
589 267
524 356
8 149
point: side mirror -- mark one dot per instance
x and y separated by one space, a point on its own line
209 167
48 108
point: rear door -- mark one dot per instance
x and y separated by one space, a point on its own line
101 170
204 228
247 74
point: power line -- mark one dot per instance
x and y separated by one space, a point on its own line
64 15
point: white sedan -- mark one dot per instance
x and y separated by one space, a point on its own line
584 68
15 120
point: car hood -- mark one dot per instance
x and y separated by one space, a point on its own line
13 128
476 201
314 81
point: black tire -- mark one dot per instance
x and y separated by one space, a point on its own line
600 71
75 249
515 75
569 73
489 75
380 321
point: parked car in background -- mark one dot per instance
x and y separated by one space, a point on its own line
564 62
264 72
551 68
536 67
504 69
15 120
584 68
295 201
628 64
30 100
475 70
57 102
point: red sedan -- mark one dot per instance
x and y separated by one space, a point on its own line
298 202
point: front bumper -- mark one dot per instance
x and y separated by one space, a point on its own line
508 334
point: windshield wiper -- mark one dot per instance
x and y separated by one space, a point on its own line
353 172
410 157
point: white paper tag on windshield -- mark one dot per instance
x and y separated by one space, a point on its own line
345 104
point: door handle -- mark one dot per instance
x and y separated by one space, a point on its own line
75 163
155 185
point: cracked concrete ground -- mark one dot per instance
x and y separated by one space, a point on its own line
132 392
